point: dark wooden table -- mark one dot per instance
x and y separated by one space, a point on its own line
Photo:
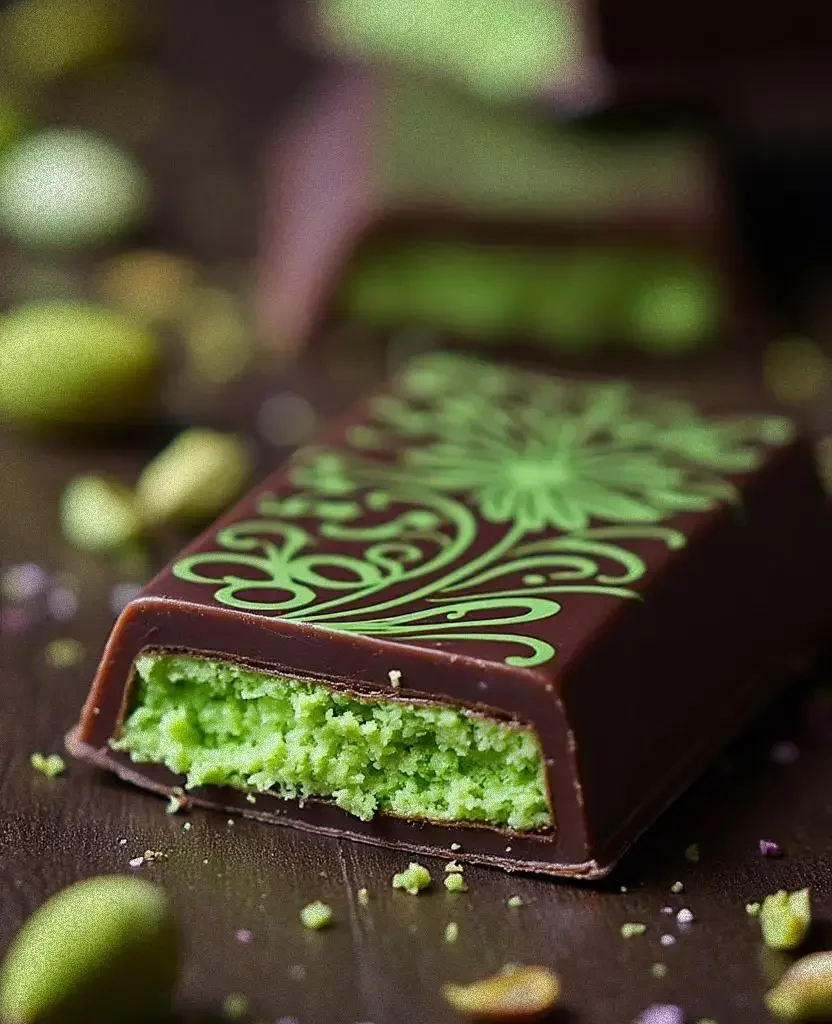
385 963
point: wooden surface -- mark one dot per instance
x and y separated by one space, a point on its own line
385 963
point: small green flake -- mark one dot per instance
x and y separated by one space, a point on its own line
52 765
753 909
455 883
235 1006
364 897
413 880
705 1020
659 971
677 887
64 653
692 853
785 918
631 929
456 846
514 902
451 931
453 868
176 801
316 915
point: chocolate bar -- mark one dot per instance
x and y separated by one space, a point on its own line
376 166
494 615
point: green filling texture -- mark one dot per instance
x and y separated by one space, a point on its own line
221 724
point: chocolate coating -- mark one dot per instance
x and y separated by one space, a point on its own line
628 576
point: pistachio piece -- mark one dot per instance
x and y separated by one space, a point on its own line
66 187
148 283
52 765
194 479
103 950
98 514
785 918
524 993
74 363
44 39
804 992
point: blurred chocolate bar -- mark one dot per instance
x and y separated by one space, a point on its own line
394 202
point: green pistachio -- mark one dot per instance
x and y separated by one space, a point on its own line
44 39
98 514
103 950
65 187
12 121
74 364
149 284
194 479
515 994
785 918
804 992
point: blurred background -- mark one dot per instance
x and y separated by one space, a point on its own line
220 223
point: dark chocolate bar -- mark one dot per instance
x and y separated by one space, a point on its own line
494 615
375 164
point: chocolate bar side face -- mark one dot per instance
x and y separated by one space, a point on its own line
487 533
744 613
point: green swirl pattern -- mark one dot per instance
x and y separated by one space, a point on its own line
473 500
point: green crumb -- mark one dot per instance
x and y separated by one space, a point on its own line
98 514
52 765
451 931
692 853
414 879
455 883
105 949
176 801
514 902
455 847
194 479
226 725
658 971
677 887
452 868
753 909
631 929
236 1006
785 918
364 897
64 653
316 915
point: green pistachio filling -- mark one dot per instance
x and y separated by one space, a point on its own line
221 724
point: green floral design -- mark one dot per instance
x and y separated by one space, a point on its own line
473 499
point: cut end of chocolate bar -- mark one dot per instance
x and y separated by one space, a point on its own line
223 724
495 609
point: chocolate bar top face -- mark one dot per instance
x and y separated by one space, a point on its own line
478 510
